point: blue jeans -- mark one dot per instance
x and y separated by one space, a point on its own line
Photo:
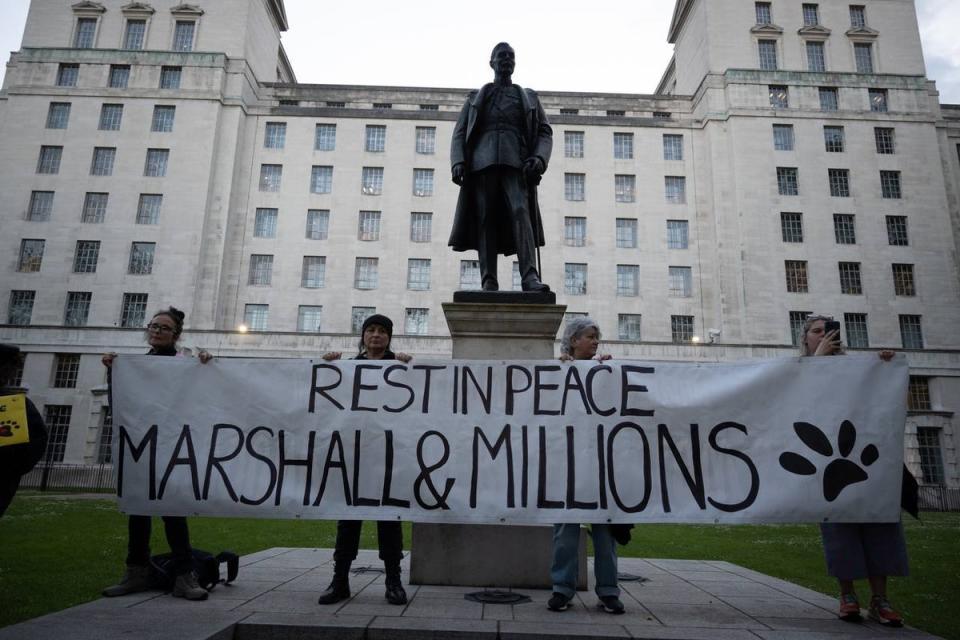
563 573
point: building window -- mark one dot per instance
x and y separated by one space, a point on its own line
573 144
336 104
469 275
383 105
850 278
796 271
94 208
844 229
134 34
931 455
102 162
31 256
421 226
863 56
261 269
672 146
67 75
133 312
119 76
897 231
833 139
626 233
625 188
787 183
783 137
148 208
574 186
797 320
86 255
885 140
628 327
265 223
767 52
57 419
811 15
839 182
763 12
141 258
358 315
856 328
110 117
275 135
779 96
77 310
58 115
890 184
309 319
156 163
858 16
429 107
376 138
623 146
829 101
49 161
681 329
574 231
423 182
918 394
628 280
183 35
66 366
41 205
321 179
417 322
676 189
678 234
366 274
878 100
369 225
418 274
816 60
105 439
903 284
318 224
426 140
170 77
371 181
85 34
569 112
616 113
325 137
313 273
911 333
21 307
575 279
791 226
271 176
681 282
163 118
256 316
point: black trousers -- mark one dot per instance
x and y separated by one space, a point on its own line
178 537
500 198
389 540
8 488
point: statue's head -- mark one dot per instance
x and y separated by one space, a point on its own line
503 59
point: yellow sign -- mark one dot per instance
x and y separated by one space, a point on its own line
13 420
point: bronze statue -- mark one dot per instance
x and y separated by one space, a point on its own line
500 149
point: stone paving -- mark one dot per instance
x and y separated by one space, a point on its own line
275 597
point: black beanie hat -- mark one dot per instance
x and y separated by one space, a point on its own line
379 319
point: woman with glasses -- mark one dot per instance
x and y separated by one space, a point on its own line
163 332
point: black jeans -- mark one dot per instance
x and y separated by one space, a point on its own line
389 539
8 488
178 537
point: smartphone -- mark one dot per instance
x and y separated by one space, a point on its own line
832 325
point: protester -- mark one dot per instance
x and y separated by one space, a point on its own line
580 341
16 459
375 339
855 551
163 332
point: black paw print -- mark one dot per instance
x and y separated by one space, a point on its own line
840 473
7 427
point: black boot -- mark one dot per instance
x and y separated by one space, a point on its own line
395 593
339 588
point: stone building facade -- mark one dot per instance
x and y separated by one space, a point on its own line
794 159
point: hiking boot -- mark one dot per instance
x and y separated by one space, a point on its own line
882 612
849 607
135 579
395 593
558 602
338 590
186 586
611 604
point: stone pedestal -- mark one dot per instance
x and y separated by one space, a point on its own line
492 326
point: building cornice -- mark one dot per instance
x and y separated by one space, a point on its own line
680 12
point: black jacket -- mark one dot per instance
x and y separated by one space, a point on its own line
18 459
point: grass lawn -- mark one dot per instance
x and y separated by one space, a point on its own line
59 552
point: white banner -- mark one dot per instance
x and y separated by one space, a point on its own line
781 440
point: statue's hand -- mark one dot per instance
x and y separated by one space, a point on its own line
533 166
457 173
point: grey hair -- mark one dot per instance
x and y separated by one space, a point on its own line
575 328
806 327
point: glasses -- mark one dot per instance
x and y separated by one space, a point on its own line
159 328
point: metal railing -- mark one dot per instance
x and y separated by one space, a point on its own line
938 498
70 477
